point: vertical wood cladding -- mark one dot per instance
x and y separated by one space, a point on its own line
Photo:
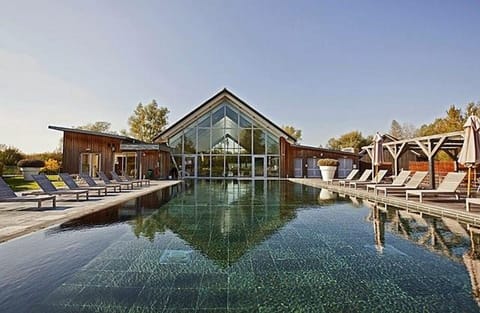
75 144
289 152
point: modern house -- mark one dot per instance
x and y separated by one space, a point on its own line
225 137
87 152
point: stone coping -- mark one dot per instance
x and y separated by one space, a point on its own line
21 218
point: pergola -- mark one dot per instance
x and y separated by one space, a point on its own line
428 146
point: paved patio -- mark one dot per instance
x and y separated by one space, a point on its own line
17 219
437 206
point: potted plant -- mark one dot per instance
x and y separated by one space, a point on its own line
30 167
327 168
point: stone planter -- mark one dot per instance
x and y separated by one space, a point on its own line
328 172
29 171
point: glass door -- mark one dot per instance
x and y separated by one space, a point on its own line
190 166
90 163
259 167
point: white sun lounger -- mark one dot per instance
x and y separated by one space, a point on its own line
448 186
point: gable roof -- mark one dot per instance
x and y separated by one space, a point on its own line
214 101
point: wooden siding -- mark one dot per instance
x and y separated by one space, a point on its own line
288 153
75 144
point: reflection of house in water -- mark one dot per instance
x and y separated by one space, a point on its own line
228 218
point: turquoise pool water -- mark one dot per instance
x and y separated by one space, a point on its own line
227 246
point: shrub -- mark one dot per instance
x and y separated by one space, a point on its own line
51 167
327 162
31 163
1 168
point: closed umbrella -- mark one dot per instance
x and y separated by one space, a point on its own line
377 152
470 153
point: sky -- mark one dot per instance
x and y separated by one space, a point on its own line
325 66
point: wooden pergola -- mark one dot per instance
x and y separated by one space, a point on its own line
428 146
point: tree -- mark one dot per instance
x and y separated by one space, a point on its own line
396 130
292 131
452 122
402 131
147 121
100 126
353 139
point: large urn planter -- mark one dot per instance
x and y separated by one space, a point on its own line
30 167
327 168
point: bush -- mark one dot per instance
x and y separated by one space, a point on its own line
327 162
1 168
51 167
31 163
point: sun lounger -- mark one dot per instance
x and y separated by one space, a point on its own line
365 176
397 182
70 182
448 186
49 189
8 195
412 184
118 179
107 181
350 176
142 181
92 183
470 201
378 178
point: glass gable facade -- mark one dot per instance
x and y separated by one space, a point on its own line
226 143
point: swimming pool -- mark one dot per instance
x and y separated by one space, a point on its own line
242 246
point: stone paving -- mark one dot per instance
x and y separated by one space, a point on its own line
17 219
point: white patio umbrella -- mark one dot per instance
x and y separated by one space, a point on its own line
470 153
377 157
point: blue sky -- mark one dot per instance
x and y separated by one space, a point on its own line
326 67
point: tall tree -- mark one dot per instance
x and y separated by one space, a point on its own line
453 121
353 139
100 126
402 131
147 121
396 130
292 131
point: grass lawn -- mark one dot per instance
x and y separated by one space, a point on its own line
18 184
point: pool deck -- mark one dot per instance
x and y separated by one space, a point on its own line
437 206
20 218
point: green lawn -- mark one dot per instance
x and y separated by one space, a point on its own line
18 184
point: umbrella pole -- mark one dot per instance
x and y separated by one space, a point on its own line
468 181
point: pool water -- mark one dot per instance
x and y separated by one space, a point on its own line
242 246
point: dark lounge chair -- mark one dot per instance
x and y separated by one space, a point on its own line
70 182
142 181
49 189
107 180
92 183
119 179
8 195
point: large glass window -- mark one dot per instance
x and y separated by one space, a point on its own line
258 141
245 166
217 166
189 141
203 166
224 143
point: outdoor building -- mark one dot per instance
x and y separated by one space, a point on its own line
226 138
86 152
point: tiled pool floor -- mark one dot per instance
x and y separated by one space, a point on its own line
224 247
